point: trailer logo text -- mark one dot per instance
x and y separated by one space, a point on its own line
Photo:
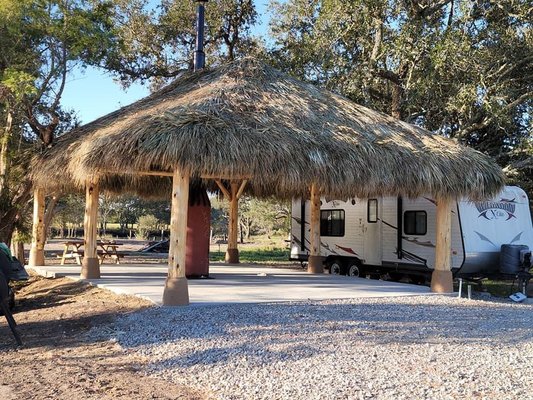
496 210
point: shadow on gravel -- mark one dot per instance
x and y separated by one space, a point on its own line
281 325
255 356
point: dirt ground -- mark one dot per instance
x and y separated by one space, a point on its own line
59 359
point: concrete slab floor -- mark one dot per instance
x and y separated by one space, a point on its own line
237 284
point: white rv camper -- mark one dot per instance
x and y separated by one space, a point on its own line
397 236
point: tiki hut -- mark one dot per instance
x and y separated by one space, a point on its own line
247 126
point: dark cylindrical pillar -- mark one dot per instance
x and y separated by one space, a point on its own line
199 55
198 234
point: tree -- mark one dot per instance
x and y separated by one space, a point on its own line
69 214
158 43
266 217
147 225
40 43
256 216
219 217
128 211
108 206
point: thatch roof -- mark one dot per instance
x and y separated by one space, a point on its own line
247 119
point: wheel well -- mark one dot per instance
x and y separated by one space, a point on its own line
354 260
331 259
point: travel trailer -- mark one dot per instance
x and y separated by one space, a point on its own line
396 235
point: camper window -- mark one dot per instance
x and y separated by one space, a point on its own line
332 223
372 210
415 222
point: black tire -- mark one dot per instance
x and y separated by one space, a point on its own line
336 267
355 269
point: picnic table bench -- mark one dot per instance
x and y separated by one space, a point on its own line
73 250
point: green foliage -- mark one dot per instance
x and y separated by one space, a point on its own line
126 210
69 211
23 237
263 216
40 43
219 217
499 288
19 83
256 217
146 225
157 44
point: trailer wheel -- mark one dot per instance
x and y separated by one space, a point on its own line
354 269
335 267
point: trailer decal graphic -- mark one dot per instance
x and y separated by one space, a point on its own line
327 247
299 243
413 257
415 241
431 200
486 239
491 210
516 238
347 250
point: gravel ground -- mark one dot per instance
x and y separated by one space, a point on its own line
429 347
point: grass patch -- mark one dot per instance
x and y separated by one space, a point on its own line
496 288
259 255
500 288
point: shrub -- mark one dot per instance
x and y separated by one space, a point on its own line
146 225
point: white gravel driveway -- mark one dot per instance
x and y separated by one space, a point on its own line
423 347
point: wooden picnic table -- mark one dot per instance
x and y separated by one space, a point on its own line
73 250
109 249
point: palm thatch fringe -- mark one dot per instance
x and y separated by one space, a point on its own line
247 119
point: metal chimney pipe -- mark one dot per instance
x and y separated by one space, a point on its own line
199 55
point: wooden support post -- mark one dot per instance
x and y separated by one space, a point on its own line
315 265
38 233
441 278
232 252
90 266
176 291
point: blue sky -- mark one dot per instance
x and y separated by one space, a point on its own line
92 93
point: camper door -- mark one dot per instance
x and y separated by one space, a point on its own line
371 231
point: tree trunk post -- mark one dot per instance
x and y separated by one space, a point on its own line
441 278
232 252
49 213
38 233
315 260
232 195
176 291
90 266
17 248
